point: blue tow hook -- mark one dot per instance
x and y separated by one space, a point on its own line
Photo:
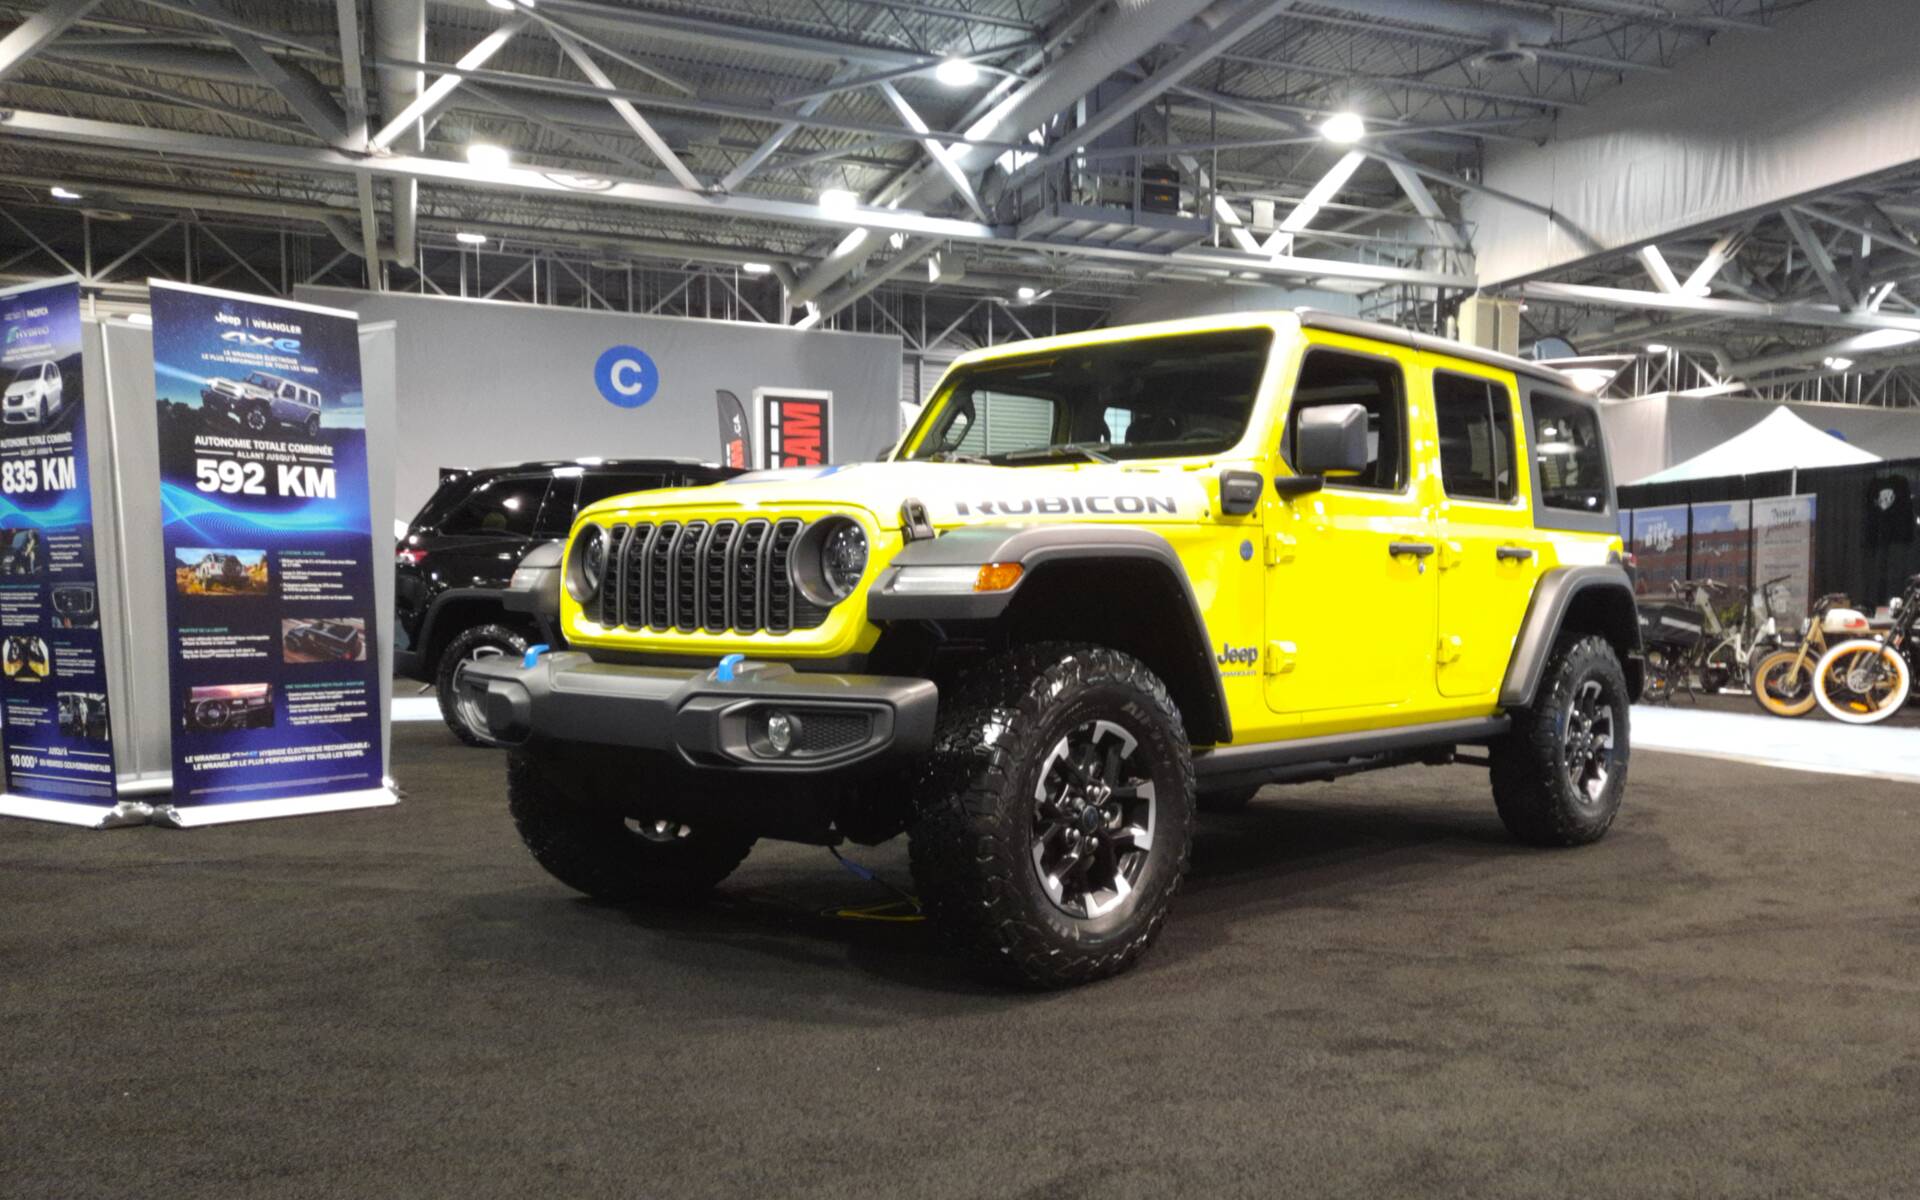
533 654
724 672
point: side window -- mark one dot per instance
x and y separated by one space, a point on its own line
1377 385
1572 457
597 487
1476 436
499 508
557 511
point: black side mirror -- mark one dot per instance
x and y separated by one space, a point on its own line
1331 440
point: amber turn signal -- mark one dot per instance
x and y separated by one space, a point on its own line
997 577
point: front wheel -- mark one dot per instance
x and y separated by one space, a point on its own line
1783 683
1055 814
471 645
255 419
1560 772
601 848
1861 683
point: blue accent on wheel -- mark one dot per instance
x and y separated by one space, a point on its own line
533 654
1246 551
626 376
724 672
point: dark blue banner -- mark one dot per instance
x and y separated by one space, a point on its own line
269 552
53 685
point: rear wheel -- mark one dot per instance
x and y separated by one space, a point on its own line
1862 682
1560 772
1783 683
313 426
1054 818
601 849
477 644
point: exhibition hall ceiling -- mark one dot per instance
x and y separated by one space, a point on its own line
913 165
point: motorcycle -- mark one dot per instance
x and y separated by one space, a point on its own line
1866 680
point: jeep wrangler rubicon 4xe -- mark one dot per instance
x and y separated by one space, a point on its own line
1105 580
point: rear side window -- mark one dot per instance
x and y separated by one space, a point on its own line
499 508
1572 457
1476 436
1377 385
597 487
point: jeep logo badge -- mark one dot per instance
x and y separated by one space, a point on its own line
1237 656
626 376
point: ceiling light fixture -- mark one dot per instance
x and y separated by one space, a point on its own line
757 268
1343 128
1025 293
956 72
484 154
60 193
1834 362
502 5
469 238
1658 348
838 201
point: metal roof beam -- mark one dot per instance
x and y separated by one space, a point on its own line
937 152
304 94
625 108
1819 260
1749 310
437 93
527 182
30 36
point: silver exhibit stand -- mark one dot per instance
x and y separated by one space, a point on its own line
122 445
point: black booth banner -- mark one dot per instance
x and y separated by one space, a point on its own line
53 683
266 529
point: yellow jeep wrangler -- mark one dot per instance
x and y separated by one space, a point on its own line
1107 579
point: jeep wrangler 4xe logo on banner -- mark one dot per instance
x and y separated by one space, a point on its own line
798 428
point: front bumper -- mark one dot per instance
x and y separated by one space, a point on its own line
707 718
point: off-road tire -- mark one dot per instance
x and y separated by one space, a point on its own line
972 837
256 419
1227 800
1536 798
593 847
312 427
508 640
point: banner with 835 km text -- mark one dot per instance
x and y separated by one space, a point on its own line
268 545
53 682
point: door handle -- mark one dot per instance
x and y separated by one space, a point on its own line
1513 554
1417 549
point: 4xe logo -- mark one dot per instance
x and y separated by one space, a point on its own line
1237 656
285 345
797 430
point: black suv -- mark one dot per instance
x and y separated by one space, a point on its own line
455 566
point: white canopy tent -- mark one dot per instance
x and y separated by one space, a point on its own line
1781 442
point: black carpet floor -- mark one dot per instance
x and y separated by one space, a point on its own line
1366 991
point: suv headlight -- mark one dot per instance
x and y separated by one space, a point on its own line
830 560
587 564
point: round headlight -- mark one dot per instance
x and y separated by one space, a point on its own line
829 560
843 559
587 564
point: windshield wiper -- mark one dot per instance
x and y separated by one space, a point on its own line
1091 450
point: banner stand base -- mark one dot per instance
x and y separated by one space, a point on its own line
86 816
195 816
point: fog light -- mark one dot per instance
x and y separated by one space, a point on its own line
780 732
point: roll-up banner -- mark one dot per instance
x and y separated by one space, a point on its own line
57 718
736 444
268 543
1783 548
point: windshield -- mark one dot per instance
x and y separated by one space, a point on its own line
1151 398
262 379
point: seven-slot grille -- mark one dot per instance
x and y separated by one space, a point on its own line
697 576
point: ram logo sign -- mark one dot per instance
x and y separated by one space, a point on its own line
798 426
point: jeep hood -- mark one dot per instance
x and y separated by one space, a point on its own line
955 494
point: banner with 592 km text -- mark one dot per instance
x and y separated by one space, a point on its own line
268 543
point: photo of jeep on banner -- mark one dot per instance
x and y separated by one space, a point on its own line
268 540
53 685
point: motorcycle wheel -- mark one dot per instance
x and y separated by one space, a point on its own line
1861 682
1783 684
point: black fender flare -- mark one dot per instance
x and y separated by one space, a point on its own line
1036 547
1553 596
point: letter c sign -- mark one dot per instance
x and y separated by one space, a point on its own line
626 376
